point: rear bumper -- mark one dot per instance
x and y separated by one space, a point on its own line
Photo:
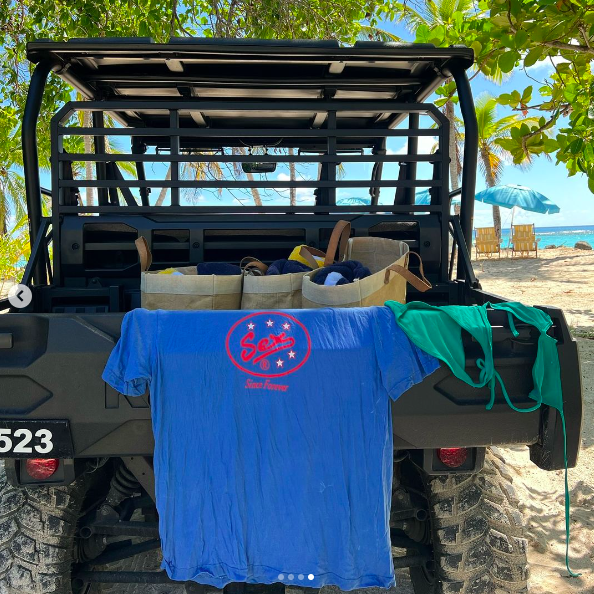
53 371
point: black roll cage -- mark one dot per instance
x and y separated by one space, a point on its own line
329 135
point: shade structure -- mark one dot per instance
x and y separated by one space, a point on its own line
423 197
512 195
354 201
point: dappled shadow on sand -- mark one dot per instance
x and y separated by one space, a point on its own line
542 500
527 269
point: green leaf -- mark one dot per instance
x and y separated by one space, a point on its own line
422 34
591 184
532 56
508 60
520 39
527 95
504 99
576 146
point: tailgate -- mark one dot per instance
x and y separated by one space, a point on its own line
52 371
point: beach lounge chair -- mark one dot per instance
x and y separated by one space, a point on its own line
486 242
523 240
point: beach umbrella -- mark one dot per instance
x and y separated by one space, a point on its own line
423 197
513 195
354 201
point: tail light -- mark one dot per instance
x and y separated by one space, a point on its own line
452 457
41 468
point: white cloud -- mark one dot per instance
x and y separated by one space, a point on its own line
426 146
546 64
283 177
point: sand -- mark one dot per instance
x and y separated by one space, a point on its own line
563 278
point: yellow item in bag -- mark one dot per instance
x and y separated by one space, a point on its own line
318 256
169 271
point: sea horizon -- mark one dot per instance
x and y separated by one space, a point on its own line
561 235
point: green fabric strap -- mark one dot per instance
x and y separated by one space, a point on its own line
438 331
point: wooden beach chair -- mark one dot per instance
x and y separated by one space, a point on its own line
523 240
487 243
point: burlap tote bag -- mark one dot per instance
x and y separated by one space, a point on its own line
283 291
387 259
188 290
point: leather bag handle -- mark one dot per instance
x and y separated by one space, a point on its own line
308 253
421 284
338 242
253 266
144 253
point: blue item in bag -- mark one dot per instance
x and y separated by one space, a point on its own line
350 270
220 268
285 266
273 439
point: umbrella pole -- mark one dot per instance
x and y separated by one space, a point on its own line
511 227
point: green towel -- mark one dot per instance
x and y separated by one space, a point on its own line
438 331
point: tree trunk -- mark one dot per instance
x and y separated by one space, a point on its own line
163 191
490 179
292 177
255 192
88 140
250 177
453 147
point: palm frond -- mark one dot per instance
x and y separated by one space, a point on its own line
366 32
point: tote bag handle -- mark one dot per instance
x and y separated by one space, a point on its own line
338 242
253 266
144 253
308 253
421 284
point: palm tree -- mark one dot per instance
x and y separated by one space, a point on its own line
12 197
434 13
492 157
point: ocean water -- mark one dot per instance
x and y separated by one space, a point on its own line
559 236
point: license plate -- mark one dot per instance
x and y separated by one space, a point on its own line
35 439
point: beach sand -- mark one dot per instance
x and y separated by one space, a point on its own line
563 278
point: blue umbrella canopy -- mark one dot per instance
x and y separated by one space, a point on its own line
423 197
354 201
512 195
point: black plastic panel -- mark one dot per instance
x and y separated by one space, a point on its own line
440 412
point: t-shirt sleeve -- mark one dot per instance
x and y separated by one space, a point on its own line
401 363
129 367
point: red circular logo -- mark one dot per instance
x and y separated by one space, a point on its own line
268 344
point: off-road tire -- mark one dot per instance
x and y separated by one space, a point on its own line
37 528
477 533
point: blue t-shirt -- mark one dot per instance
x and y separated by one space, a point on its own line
273 439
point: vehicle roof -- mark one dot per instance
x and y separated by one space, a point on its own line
137 69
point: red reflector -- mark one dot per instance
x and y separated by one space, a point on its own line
452 457
41 468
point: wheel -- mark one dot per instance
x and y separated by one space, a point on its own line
38 538
37 529
475 533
